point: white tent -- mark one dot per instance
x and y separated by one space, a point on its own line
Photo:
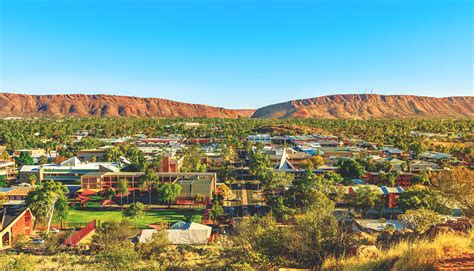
189 233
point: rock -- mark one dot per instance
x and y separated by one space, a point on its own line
368 252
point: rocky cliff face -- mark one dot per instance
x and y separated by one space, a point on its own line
78 105
371 106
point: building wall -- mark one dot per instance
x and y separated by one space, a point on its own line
24 225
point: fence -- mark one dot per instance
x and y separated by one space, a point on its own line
65 225
76 237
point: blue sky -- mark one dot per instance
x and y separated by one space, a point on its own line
237 54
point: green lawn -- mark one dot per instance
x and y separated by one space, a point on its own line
172 215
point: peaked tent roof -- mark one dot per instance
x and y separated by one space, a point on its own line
73 161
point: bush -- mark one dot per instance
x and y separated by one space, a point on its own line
118 258
20 262
155 246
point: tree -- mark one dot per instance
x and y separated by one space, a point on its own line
225 191
3 181
148 181
42 160
226 173
317 161
4 156
134 211
456 186
350 168
59 159
118 258
24 159
416 148
157 244
278 179
122 189
419 179
137 157
419 220
417 197
109 193
366 198
113 154
32 178
168 192
47 198
260 165
111 234
193 160
389 179
312 237
217 212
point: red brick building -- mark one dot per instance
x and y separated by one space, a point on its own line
14 220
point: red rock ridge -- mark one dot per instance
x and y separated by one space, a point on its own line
371 106
80 105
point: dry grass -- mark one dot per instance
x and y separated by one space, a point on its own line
420 255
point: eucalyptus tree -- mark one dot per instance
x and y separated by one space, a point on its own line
46 199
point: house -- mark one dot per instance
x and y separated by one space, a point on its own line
397 164
391 195
403 179
199 140
432 156
7 170
377 225
30 152
17 194
170 140
420 165
67 172
329 143
310 148
332 155
390 151
14 220
260 138
388 195
88 154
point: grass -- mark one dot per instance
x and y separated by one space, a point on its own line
171 215
422 254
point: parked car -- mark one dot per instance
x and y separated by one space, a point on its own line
54 230
38 241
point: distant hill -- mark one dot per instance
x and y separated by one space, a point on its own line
351 106
371 106
79 105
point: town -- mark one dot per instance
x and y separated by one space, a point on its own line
228 193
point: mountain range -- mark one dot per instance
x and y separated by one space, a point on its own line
348 106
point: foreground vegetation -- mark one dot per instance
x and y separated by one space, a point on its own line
418 254
421 254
